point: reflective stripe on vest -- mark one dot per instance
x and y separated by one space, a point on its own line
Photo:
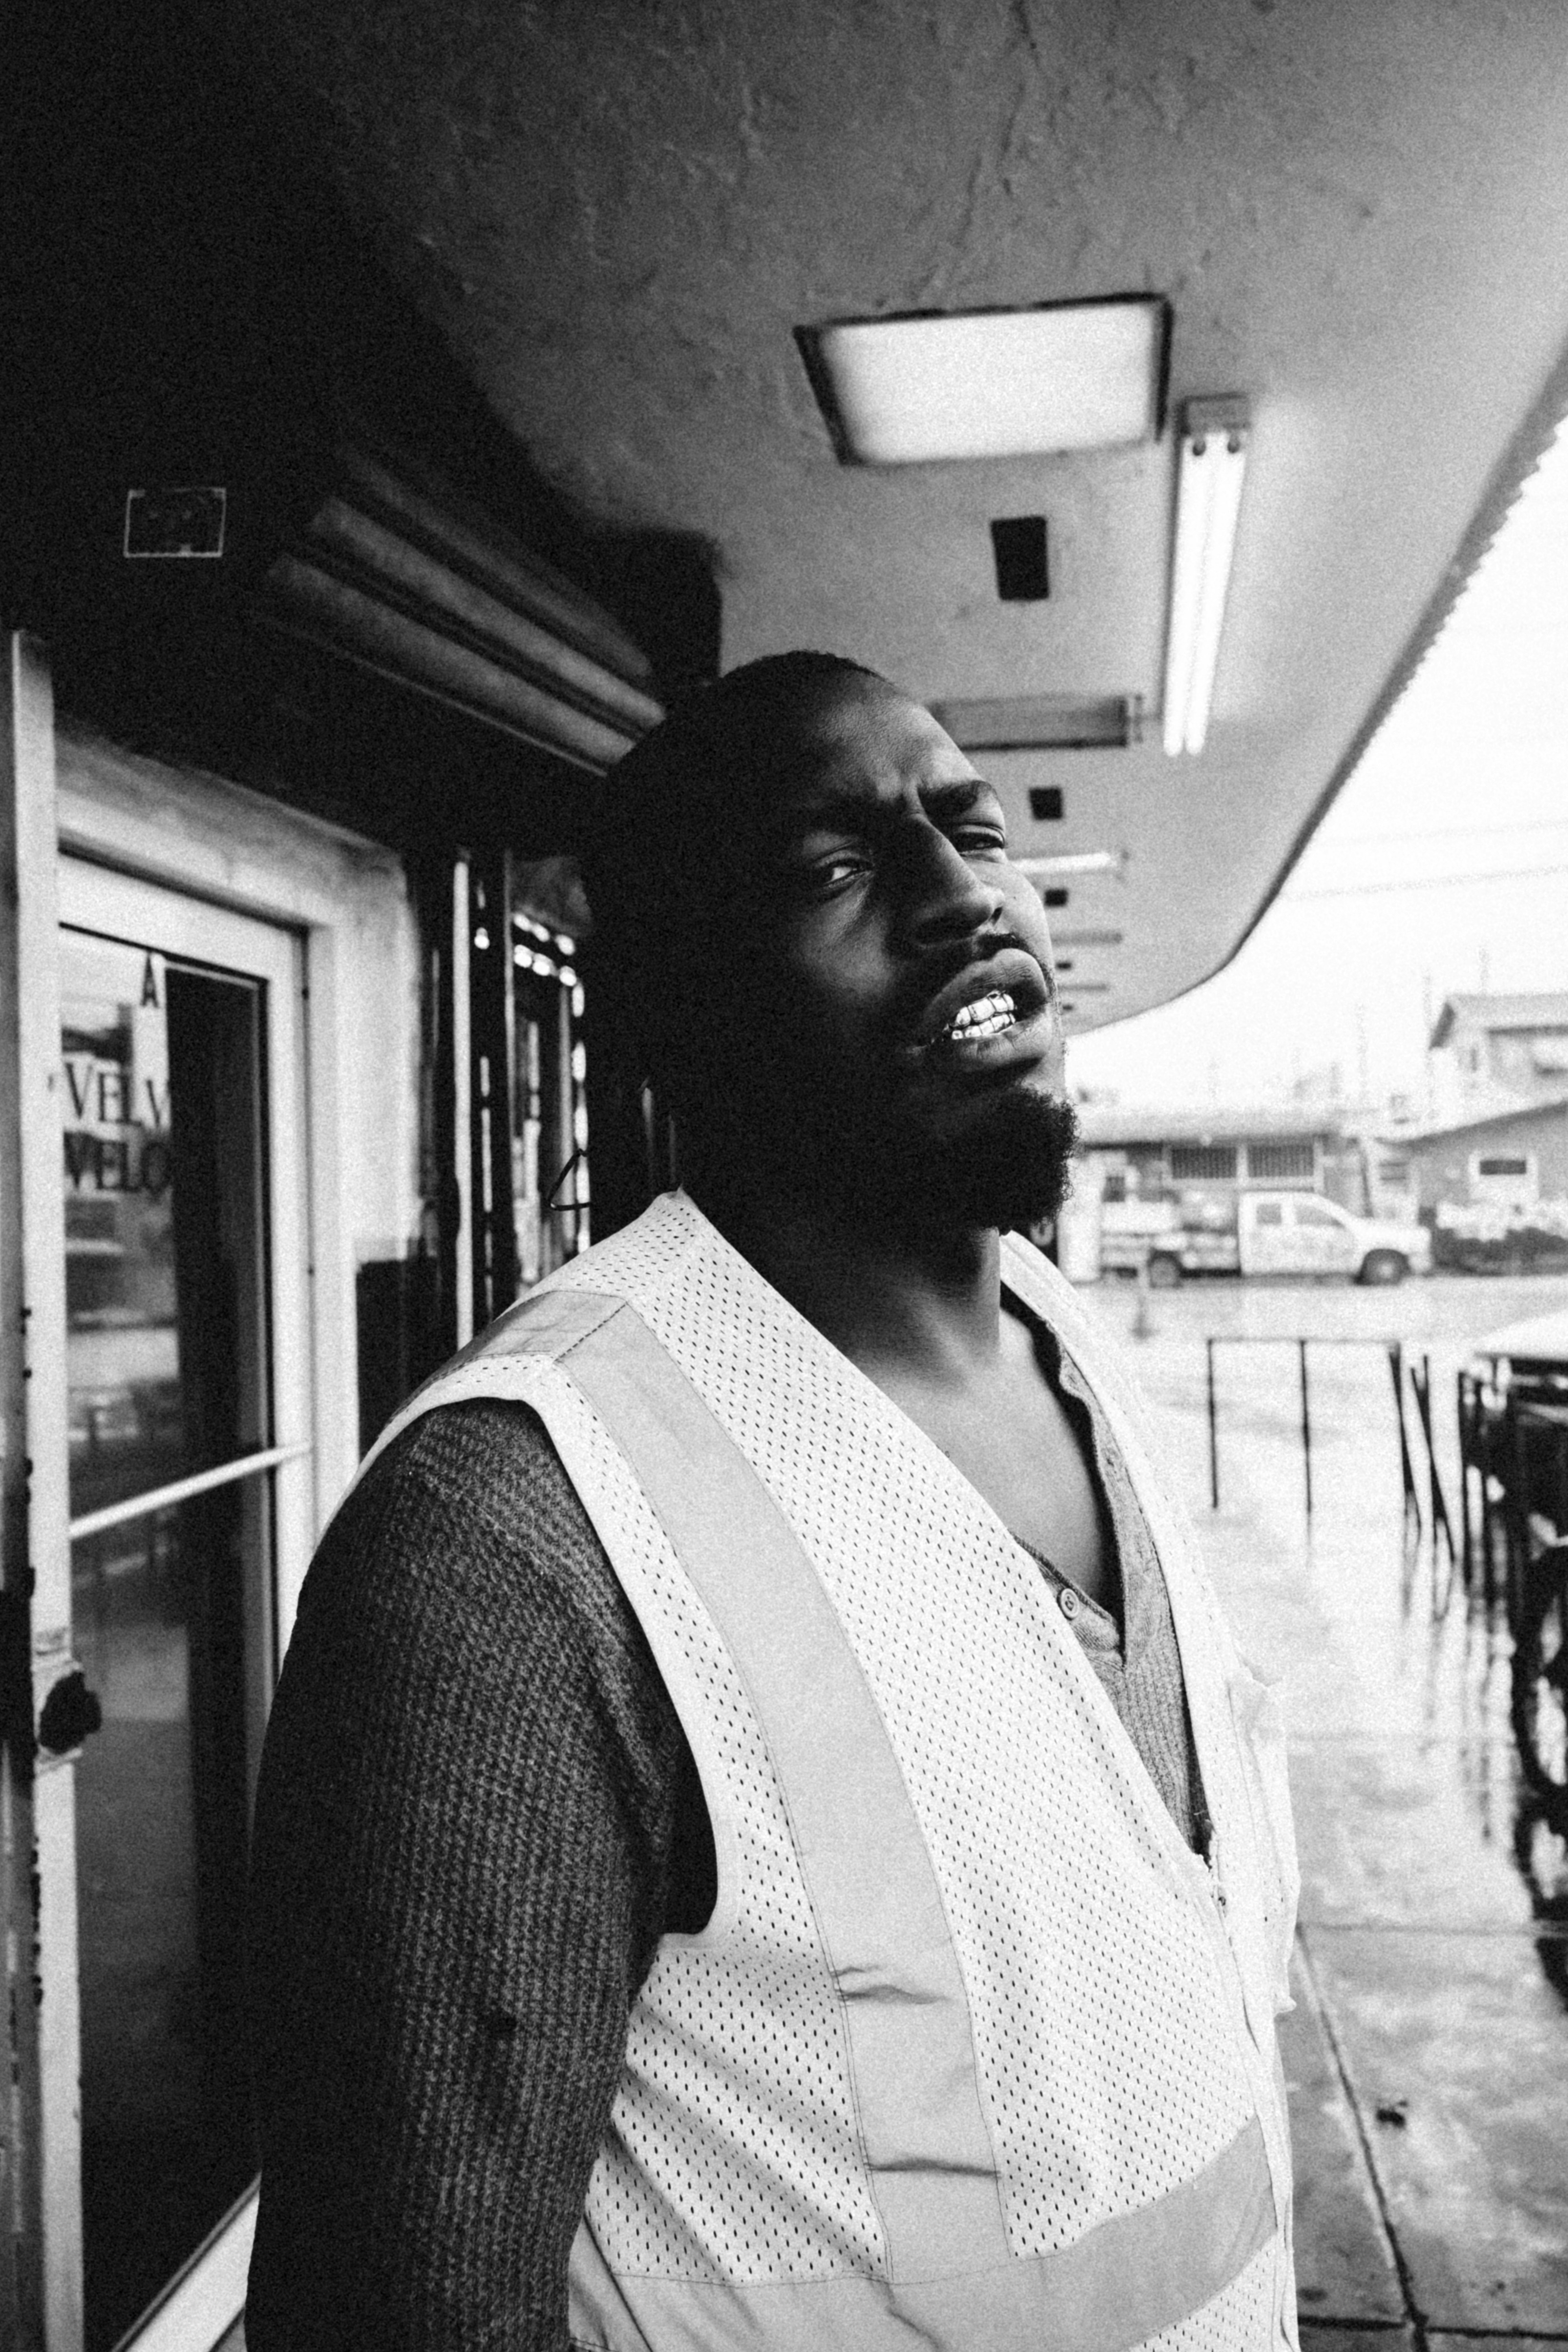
952 2273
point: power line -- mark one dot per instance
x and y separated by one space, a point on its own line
1425 882
1451 832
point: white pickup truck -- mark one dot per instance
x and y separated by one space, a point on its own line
1270 1232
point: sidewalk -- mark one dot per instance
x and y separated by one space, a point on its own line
1427 2056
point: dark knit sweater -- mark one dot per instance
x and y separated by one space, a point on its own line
463 1862
477 1815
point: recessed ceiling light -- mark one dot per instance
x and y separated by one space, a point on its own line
991 383
1043 722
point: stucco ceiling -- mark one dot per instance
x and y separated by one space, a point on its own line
618 213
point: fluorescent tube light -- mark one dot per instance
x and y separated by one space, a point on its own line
1043 722
991 383
1210 470
1074 861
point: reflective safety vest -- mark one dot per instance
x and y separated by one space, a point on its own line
974 2054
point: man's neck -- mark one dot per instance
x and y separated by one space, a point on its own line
910 1304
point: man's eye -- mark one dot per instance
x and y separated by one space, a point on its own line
832 873
980 840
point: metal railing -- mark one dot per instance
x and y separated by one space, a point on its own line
1300 1342
1511 1548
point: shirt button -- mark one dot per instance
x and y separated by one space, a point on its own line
1069 1600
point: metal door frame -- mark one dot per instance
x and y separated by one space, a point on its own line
131 861
210 2290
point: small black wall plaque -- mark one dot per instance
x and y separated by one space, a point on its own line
1023 571
187 522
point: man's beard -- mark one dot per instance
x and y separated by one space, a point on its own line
1007 1168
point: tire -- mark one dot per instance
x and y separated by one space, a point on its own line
1165 1271
1383 1266
1540 1694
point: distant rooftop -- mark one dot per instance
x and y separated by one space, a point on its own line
1114 1124
1500 1115
1544 1008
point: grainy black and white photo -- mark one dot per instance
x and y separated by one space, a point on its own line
783 1176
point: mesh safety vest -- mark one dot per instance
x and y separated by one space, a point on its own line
975 2053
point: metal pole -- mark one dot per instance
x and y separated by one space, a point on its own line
1422 1383
1213 1432
1518 1518
1406 1470
1464 1414
464 1137
1306 1428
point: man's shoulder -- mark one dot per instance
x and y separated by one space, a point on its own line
470 1448
468 1511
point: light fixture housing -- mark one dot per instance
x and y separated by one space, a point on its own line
1074 861
1211 467
1043 722
934 385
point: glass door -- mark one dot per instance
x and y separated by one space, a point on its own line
189 1418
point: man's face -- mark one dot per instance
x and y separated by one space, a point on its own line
891 1011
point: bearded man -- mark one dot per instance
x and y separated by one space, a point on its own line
765 1839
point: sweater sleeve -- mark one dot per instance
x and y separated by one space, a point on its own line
469 1838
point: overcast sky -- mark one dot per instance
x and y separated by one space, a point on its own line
1443 864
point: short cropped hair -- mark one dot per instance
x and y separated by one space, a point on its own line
665 805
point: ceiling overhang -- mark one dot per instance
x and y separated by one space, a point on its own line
620 220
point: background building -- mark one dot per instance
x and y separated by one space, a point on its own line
1492 1051
1508 1160
1160 1154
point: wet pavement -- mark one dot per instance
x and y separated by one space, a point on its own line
1427 2055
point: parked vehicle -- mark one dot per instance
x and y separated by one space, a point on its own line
1501 1237
1259 1234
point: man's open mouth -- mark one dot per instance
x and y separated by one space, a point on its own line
988 1016
997 1009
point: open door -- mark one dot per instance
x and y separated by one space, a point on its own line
171 1492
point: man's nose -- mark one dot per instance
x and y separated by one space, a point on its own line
944 896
